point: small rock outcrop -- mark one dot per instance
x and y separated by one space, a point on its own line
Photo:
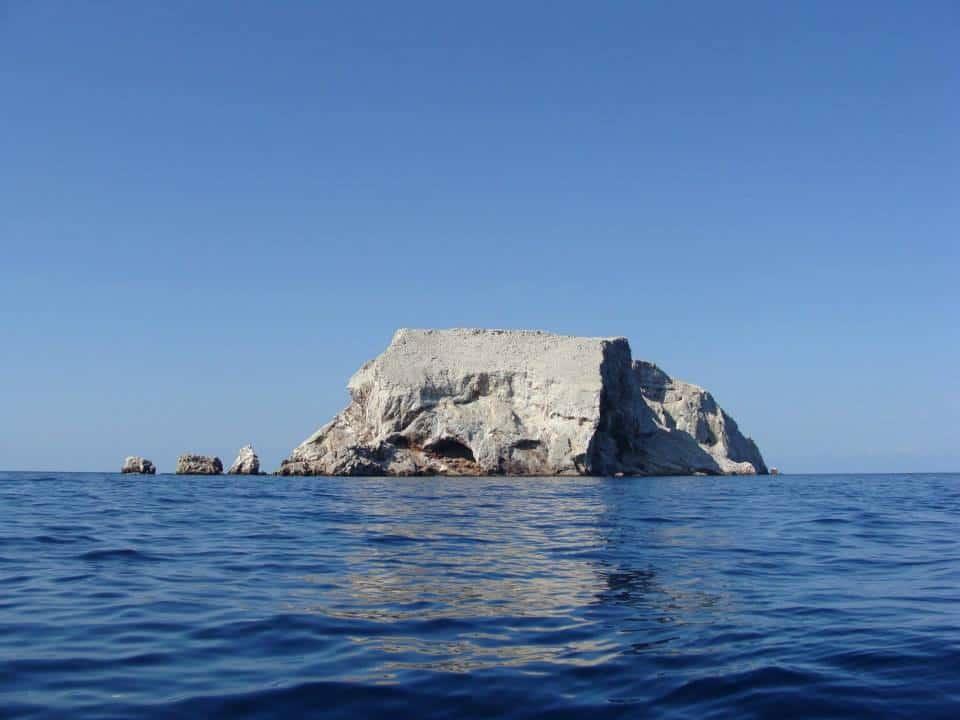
198 465
138 465
247 462
472 402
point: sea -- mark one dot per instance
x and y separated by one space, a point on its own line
791 596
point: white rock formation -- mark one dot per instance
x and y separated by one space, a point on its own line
198 465
688 411
247 462
458 402
139 465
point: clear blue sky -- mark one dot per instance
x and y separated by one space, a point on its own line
212 213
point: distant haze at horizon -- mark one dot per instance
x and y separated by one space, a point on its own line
211 216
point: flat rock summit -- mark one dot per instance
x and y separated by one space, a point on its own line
503 402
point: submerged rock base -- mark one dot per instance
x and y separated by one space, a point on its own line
484 402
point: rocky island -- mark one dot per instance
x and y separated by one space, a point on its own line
193 464
483 402
138 466
247 462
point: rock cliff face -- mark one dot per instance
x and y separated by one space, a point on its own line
468 402
198 465
139 465
685 413
247 462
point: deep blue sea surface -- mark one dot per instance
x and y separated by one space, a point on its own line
791 596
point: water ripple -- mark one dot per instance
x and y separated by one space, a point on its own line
823 596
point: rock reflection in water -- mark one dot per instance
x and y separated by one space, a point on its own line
551 569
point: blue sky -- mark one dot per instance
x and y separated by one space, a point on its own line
212 213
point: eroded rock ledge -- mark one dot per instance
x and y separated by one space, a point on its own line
482 402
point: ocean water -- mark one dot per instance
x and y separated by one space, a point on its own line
790 596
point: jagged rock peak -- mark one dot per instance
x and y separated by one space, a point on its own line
138 465
190 464
468 401
247 462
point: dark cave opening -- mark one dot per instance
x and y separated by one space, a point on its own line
450 448
526 444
